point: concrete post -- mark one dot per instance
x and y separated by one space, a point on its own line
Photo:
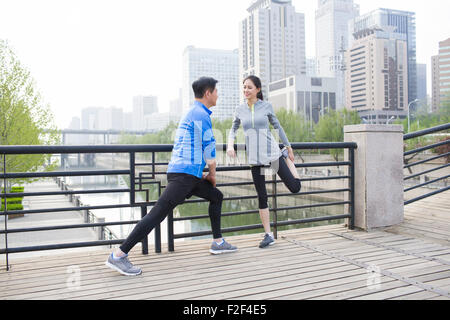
378 174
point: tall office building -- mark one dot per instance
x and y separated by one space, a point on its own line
142 106
271 42
398 23
332 18
222 65
422 82
435 87
444 70
376 78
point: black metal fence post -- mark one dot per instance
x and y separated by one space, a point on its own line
158 227
145 240
275 207
5 212
352 188
132 177
170 236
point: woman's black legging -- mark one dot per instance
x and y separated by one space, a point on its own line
259 179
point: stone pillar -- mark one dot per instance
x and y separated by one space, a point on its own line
378 174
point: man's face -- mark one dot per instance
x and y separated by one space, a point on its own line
212 97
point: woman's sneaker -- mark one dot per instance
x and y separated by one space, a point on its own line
224 247
267 241
123 265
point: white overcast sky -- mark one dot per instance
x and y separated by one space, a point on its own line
103 52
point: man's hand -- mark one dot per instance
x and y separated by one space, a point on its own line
210 178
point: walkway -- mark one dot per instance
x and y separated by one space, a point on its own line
410 261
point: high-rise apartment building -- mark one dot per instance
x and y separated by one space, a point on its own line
377 75
435 87
142 106
440 74
332 18
271 42
444 70
402 23
222 65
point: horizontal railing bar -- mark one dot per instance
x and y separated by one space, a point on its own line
232 184
84 149
426 183
149 148
237 213
226 214
271 195
427 171
309 220
36 211
58 193
63 174
258 226
301 165
327 204
152 164
431 146
426 160
426 131
63 246
69 226
426 195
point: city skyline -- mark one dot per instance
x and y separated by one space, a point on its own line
102 53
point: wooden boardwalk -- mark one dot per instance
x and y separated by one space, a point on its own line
411 261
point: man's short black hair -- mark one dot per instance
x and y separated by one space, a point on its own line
202 85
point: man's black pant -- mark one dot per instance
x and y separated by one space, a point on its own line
179 187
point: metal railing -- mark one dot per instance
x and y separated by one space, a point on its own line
411 154
150 177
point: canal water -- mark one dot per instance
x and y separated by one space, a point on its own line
194 209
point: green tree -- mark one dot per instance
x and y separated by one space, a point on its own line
23 116
296 127
330 128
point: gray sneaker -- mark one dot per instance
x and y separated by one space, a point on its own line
267 241
123 265
225 247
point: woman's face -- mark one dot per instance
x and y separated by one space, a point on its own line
250 90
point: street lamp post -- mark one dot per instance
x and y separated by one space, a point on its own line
392 118
409 121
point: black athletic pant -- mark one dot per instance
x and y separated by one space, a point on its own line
180 186
293 184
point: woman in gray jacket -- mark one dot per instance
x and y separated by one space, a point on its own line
262 148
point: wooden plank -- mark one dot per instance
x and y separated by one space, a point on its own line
198 272
216 283
391 293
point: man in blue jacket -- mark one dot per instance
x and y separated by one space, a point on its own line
194 148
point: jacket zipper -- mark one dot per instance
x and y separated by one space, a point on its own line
253 116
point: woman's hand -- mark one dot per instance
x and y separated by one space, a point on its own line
231 152
291 154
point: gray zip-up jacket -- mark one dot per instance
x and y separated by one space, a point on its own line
262 147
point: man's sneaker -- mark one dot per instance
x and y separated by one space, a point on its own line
225 247
267 241
123 265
